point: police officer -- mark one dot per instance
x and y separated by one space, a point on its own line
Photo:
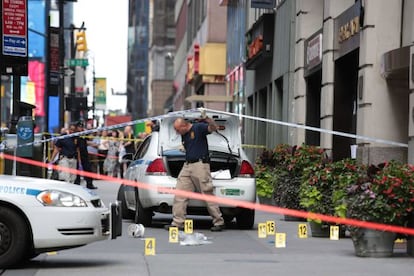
83 159
67 150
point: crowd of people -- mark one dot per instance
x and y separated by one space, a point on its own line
105 153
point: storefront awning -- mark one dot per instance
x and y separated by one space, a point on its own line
209 98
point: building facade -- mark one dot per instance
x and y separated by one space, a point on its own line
161 55
199 63
342 66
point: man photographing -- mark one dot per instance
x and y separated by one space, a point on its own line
195 174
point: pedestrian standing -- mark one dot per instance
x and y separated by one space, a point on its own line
93 144
67 150
111 164
129 146
195 174
102 150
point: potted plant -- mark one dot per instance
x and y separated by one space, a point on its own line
323 189
289 170
385 196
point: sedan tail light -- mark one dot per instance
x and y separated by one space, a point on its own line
246 170
156 168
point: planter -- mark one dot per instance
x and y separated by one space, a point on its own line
267 200
323 230
320 230
373 243
410 239
293 218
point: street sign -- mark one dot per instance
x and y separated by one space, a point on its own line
77 62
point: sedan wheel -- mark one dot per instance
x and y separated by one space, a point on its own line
14 237
142 215
245 218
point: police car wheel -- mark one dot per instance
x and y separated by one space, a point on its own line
126 213
142 215
14 237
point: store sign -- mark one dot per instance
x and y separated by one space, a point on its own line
313 51
347 30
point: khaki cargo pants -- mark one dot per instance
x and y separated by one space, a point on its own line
195 177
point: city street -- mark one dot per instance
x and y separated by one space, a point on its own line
231 252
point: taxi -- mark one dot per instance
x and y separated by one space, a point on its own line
41 215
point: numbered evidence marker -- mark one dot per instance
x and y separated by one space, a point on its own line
150 246
261 230
188 226
302 230
270 227
334 235
173 234
280 240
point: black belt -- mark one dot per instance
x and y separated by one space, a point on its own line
203 160
69 157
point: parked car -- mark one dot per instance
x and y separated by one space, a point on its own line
40 215
160 158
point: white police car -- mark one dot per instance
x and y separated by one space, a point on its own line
40 215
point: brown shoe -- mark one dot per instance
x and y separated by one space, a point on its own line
217 228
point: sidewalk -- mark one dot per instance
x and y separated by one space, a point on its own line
322 256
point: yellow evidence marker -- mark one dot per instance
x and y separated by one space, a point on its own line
280 240
302 230
334 235
188 226
261 230
150 246
270 227
173 234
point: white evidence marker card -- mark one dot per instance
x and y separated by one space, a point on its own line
280 240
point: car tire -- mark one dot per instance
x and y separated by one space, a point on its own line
126 213
14 237
245 218
142 215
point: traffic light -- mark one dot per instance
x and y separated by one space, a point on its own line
81 41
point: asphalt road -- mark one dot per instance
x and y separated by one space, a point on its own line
231 252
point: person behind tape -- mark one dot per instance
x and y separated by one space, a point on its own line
195 174
67 149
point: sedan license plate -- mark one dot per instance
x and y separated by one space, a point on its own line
232 192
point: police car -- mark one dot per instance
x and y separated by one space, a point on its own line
40 215
158 162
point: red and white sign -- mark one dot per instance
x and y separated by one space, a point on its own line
14 17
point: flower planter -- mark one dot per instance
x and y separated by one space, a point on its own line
266 200
373 243
319 230
293 218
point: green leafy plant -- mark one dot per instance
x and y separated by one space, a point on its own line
324 186
264 175
264 186
290 166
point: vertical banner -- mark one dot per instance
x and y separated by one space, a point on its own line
100 93
54 72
